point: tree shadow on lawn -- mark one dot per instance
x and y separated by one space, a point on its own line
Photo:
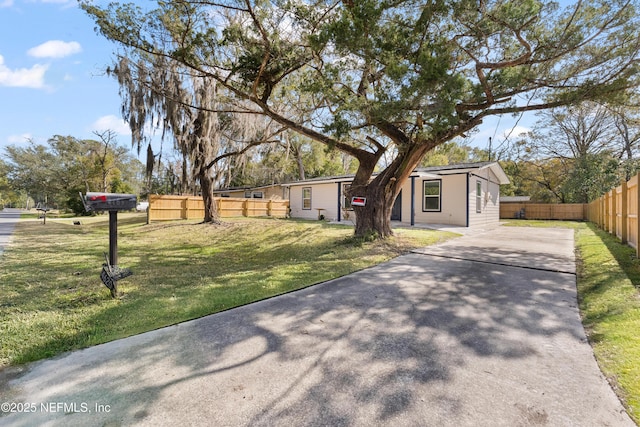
381 346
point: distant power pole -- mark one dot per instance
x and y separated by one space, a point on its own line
489 148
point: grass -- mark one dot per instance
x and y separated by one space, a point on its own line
53 301
608 283
610 305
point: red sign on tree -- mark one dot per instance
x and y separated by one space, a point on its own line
358 201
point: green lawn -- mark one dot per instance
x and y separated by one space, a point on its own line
52 299
609 297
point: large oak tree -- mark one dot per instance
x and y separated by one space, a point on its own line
390 77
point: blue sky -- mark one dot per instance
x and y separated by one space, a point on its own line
52 78
51 74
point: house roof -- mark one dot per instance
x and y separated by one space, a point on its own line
244 188
321 180
427 172
468 167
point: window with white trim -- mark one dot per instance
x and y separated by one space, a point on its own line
431 191
478 196
306 198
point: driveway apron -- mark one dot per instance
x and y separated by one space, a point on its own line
482 330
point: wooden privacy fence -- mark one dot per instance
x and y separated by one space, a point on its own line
165 208
568 211
617 212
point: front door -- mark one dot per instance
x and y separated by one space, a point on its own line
396 211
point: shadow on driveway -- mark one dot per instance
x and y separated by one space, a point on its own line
422 340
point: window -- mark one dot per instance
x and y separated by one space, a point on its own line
432 193
257 195
478 196
346 201
247 194
306 198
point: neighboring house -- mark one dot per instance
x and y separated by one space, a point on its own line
465 195
272 192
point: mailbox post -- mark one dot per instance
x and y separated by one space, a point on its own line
111 202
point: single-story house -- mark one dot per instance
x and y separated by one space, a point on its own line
466 195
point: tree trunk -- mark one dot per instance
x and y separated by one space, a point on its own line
211 214
374 219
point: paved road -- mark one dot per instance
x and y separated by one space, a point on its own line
8 220
480 331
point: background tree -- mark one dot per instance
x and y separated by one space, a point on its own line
391 79
8 196
627 122
107 155
575 154
54 174
187 106
33 170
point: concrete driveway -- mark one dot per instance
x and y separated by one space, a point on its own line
479 331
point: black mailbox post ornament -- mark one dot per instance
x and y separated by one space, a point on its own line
111 202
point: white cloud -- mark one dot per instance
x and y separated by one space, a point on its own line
515 132
112 123
23 77
18 139
6 3
55 49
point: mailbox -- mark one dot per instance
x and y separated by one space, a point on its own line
112 202
109 202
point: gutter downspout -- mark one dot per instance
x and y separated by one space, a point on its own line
339 197
413 201
468 195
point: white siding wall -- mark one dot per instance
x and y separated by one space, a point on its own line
323 196
457 192
452 199
490 199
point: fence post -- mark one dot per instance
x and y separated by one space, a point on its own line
624 214
637 230
150 199
606 211
245 208
270 208
614 212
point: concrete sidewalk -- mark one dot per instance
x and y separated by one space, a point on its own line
462 334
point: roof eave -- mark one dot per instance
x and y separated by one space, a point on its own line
497 170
